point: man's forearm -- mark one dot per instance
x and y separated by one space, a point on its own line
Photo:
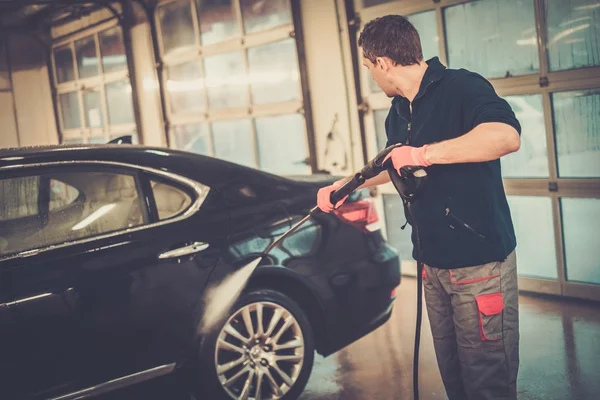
380 179
488 141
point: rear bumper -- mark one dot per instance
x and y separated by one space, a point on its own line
369 306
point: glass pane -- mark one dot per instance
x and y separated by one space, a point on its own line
69 141
217 20
69 106
394 219
4 74
19 200
577 130
112 48
369 3
226 80
274 72
492 38
233 141
120 105
380 116
97 140
63 60
278 133
581 218
186 87
534 228
92 103
260 15
176 25
109 203
193 138
573 32
531 160
426 25
87 58
170 201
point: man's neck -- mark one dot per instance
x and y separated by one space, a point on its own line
413 76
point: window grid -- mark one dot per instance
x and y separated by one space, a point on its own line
240 42
79 85
558 81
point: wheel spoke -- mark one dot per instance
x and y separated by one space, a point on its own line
259 379
274 320
259 317
221 369
248 321
236 376
293 358
288 322
223 345
294 344
246 390
234 332
286 378
274 387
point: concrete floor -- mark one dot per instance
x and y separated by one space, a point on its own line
560 357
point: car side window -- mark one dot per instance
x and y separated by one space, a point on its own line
78 205
170 200
19 198
61 195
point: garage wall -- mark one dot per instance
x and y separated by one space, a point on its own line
9 136
26 109
329 67
31 88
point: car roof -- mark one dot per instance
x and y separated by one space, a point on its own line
209 170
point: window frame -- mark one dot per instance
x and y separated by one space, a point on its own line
200 191
240 42
95 83
544 83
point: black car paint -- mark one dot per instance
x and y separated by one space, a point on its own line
110 307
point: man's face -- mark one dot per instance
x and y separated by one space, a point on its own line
380 74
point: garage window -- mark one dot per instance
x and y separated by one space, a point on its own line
54 208
233 83
94 97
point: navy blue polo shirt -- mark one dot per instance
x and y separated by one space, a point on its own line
462 215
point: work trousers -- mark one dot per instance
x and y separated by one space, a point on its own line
474 318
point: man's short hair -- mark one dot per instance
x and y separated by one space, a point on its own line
391 36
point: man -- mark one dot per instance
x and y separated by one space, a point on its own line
453 123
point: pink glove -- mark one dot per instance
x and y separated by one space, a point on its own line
407 155
324 197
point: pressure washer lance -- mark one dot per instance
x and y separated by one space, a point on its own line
409 182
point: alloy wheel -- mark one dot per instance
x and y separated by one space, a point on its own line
260 352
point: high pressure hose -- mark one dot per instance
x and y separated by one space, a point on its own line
419 307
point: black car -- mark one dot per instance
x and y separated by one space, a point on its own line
106 251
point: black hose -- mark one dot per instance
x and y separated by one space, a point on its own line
419 306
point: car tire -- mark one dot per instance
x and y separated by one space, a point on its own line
263 351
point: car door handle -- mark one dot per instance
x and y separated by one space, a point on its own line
184 251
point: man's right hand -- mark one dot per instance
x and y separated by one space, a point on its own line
324 197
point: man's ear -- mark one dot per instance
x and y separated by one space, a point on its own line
382 64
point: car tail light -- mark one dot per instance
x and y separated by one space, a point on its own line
361 214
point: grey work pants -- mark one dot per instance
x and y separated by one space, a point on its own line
474 318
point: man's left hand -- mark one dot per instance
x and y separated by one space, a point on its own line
408 155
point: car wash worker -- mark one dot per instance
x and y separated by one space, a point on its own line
453 123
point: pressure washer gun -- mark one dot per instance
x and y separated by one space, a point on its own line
409 181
